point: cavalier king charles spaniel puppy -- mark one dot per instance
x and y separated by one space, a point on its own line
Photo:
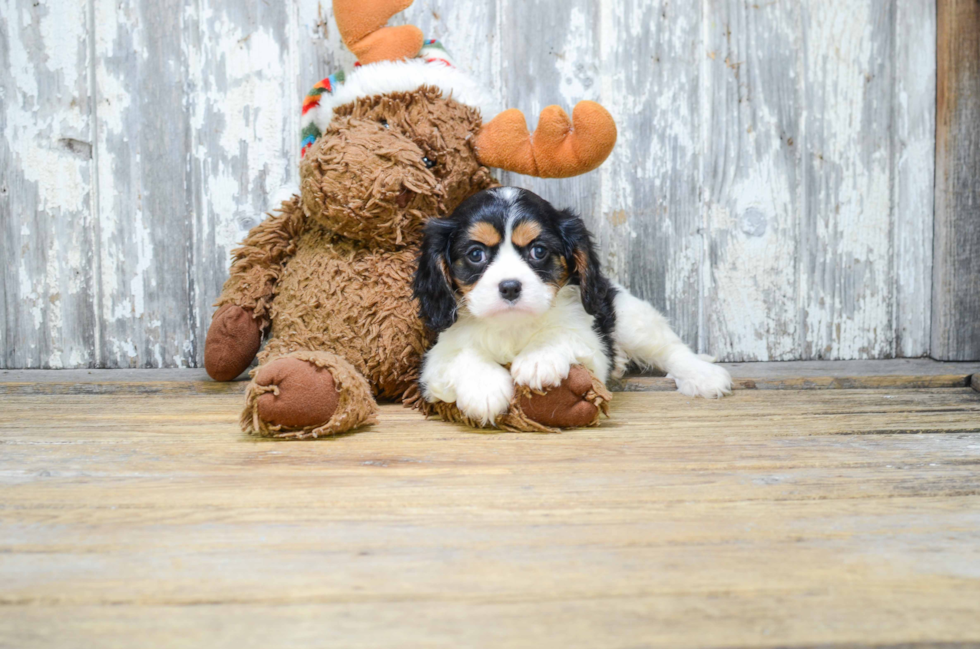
510 280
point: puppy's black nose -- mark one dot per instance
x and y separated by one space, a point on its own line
510 290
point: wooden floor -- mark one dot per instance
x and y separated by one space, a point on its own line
773 518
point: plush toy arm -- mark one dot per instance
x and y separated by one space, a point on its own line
258 263
236 329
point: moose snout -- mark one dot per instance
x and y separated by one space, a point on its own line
510 290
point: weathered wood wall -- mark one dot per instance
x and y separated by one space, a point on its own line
772 190
956 276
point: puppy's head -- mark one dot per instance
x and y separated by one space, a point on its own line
504 253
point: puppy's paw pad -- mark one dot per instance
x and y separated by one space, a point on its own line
487 398
540 370
705 380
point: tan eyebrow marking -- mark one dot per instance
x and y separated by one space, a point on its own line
485 233
525 233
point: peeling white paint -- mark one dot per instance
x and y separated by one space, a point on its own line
45 146
577 74
252 117
756 247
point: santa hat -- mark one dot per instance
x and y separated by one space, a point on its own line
432 67
399 59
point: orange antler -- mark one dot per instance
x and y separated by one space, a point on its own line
362 26
560 147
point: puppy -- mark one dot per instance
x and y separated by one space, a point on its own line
510 280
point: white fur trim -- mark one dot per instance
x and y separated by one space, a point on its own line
400 76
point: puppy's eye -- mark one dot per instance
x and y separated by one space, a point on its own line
476 255
429 164
538 252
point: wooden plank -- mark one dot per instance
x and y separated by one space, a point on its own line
956 271
976 382
815 519
753 140
650 227
891 367
612 621
47 281
801 375
848 294
105 376
627 384
245 122
145 199
757 77
900 374
898 382
198 102
146 388
914 171
548 53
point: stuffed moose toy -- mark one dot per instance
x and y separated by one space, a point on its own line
327 280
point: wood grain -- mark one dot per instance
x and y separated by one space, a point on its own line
902 374
772 190
558 65
956 273
913 152
846 267
48 280
651 230
146 193
662 384
905 374
789 519
753 170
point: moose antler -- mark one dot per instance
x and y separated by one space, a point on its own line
559 148
362 26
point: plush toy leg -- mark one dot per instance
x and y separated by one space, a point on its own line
307 395
232 343
578 402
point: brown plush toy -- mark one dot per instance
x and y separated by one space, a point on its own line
327 279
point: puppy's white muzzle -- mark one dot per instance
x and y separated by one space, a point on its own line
509 287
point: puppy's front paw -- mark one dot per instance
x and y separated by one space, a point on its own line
702 379
485 397
545 368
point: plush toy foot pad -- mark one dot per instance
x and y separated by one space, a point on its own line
564 406
232 343
305 395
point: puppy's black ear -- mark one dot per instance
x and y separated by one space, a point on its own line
583 264
433 286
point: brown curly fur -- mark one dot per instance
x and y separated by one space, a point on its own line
328 278
331 272
373 151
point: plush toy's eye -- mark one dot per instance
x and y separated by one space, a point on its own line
476 255
538 252
384 123
429 164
